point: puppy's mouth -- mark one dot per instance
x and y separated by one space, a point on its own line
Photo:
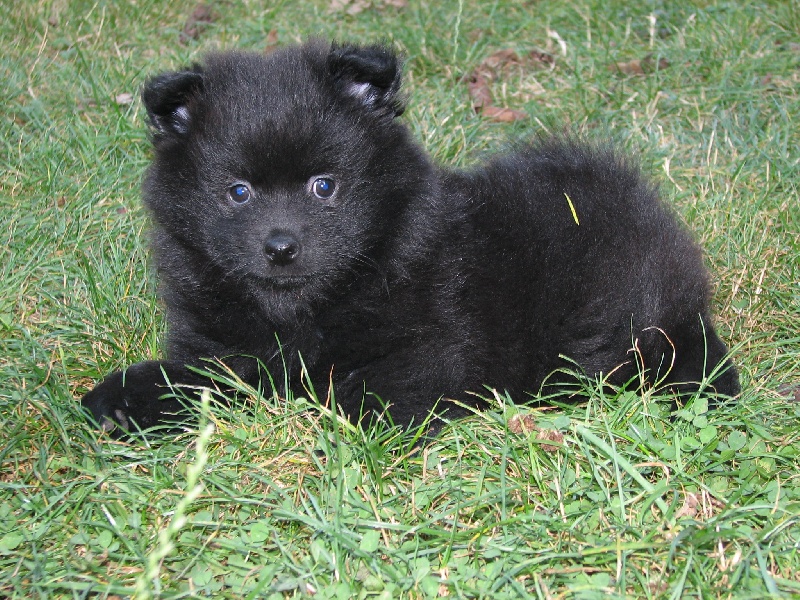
285 282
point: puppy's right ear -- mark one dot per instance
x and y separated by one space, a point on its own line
168 98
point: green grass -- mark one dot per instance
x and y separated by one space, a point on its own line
284 500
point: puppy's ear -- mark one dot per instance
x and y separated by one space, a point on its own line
369 74
167 97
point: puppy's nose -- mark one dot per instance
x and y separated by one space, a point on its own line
281 249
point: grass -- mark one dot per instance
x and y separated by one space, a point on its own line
607 497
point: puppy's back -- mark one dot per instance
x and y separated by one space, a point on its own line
574 255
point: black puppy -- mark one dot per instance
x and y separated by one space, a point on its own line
295 217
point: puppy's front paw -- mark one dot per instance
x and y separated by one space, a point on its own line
132 399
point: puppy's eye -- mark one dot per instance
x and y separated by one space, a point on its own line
239 193
323 187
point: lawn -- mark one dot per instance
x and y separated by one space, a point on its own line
609 496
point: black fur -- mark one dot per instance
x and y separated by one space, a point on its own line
408 281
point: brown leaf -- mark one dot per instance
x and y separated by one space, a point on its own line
790 46
124 98
633 67
86 104
201 16
550 435
541 59
791 391
272 41
351 7
358 6
526 425
396 3
520 423
690 506
650 64
503 115
490 69
501 59
476 34
640 66
504 60
501 62
479 91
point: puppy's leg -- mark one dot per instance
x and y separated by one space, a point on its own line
141 396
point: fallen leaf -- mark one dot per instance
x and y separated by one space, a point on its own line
124 99
541 59
351 7
550 435
85 104
526 425
479 91
651 65
640 66
520 423
791 391
358 7
790 46
689 508
493 67
272 41
501 59
503 115
201 16
633 67
396 3
475 35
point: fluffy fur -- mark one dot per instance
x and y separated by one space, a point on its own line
292 207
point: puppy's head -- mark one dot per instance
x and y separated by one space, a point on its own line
287 172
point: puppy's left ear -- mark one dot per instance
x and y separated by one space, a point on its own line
369 74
